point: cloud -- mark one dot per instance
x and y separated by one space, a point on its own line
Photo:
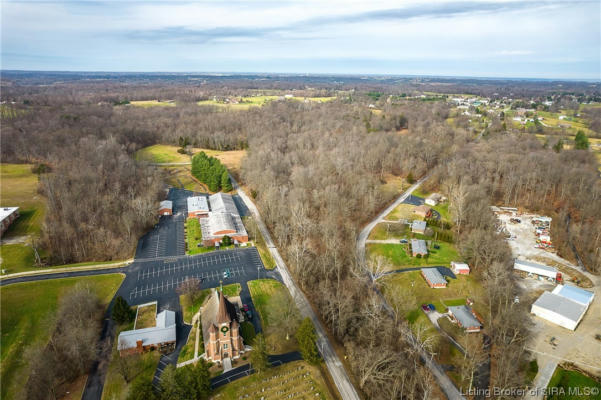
513 53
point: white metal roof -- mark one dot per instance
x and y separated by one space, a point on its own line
563 306
418 246
166 204
459 265
574 293
220 221
164 331
532 267
418 225
223 202
198 203
6 211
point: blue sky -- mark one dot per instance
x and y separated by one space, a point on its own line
490 38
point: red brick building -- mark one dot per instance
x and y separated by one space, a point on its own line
166 207
161 337
224 339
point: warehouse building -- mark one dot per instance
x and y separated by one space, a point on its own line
222 220
558 310
537 270
434 278
198 206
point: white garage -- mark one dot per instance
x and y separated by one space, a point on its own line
559 310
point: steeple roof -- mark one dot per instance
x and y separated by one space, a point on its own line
226 312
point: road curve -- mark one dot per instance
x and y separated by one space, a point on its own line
335 367
443 380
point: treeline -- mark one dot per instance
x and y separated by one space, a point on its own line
316 182
71 349
211 172
99 202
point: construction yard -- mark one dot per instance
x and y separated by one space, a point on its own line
551 344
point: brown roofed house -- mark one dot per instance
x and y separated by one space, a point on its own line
423 211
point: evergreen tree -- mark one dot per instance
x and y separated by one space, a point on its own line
258 357
306 337
226 184
581 141
122 313
141 389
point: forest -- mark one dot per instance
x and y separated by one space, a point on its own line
317 172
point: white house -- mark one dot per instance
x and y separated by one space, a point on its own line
460 268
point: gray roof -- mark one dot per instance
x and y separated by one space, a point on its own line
561 305
198 203
166 204
163 332
223 202
464 315
418 225
433 276
218 221
574 293
418 246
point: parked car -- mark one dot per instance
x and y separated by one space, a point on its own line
404 241
226 274
431 307
436 246
245 307
425 308
249 314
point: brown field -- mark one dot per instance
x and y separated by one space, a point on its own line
146 317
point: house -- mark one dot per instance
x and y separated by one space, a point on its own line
418 227
423 211
434 199
198 207
418 247
223 219
8 215
222 337
160 337
535 269
434 278
460 268
465 318
564 306
166 207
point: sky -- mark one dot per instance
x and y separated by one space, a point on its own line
484 38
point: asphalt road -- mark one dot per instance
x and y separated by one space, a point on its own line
335 367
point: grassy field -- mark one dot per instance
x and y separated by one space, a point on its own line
187 352
259 242
299 378
19 188
141 367
393 185
146 316
397 254
389 230
194 237
26 311
8 111
402 211
244 103
580 384
181 177
152 103
262 291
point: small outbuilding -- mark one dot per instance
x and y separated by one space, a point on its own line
434 199
8 215
419 248
166 207
423 211
198 206
160 337
460 268
465 318
418 227
535 269
434 278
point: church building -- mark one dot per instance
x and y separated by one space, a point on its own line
224 339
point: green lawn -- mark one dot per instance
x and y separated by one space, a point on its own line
580 385
161 153
389 230
397 254
262 292
26 311
194 237
17 258
402 211
187 352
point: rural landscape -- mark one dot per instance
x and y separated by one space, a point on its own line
331 235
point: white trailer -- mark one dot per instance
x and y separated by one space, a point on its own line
535 269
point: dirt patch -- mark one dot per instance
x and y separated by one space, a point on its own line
569 274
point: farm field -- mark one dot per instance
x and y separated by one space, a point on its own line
152 103
262 292
300 378
564 380
26 312
245 103
397 254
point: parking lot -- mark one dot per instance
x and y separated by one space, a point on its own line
166 239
